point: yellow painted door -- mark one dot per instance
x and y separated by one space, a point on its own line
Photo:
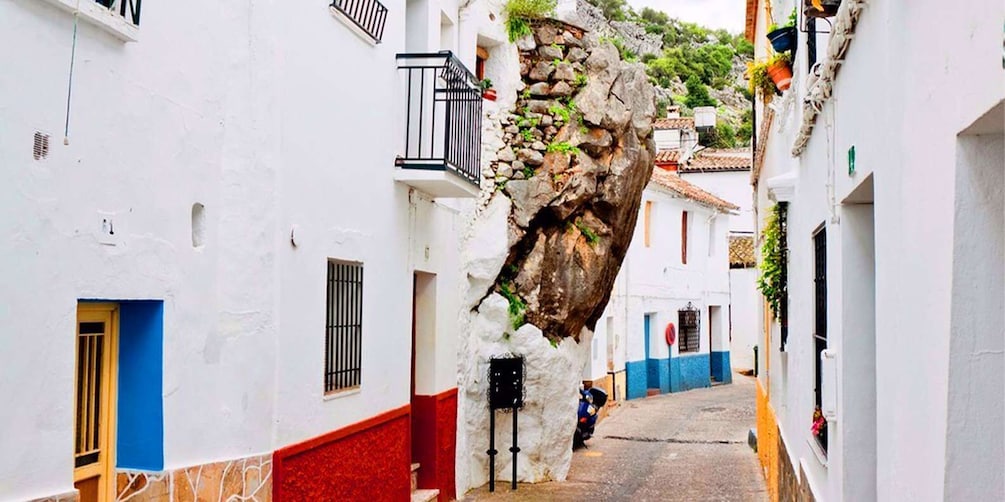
94 401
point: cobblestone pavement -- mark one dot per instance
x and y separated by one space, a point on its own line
688 446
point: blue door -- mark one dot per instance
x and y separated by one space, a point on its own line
647 318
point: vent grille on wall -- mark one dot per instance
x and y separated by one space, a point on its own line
40 149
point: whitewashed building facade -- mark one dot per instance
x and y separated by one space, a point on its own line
675 272
232 280
888 157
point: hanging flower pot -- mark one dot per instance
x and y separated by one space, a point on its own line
783 39
780 73
489 94
821 8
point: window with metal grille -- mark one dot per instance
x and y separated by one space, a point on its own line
367 15
128 9
343 326
820 315
688 329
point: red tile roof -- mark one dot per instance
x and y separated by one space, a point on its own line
716 160
667 156
675 123
671 181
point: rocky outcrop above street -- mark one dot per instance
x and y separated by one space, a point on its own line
588 17
559 207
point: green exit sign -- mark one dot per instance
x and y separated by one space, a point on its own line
851 160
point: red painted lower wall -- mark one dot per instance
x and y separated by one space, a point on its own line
366 461
434 441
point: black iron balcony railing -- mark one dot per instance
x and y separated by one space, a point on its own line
368 15
443 118
128 9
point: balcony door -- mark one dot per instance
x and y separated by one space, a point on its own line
94 401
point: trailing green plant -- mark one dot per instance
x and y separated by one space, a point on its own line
790 22
519 14
771 281
517 307
485 83
563 147
591 236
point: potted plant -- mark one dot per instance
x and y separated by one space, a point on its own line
821 8
780 70
487 91
783 38
819 427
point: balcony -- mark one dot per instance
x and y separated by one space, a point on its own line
443 126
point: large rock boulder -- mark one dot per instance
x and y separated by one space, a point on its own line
556 243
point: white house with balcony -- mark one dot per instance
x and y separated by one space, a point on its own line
231 239
675 278
881 372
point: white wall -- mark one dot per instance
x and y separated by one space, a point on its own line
978 296
247 110
653 280
903 118
743 301
732 186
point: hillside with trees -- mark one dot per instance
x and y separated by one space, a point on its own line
697 66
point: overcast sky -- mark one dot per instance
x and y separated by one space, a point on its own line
726 14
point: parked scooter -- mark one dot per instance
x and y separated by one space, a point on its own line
590 402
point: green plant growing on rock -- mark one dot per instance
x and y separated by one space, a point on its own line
563 147
581 80
526 93
772 282
517 307
528 172
520 13
560 110
591 236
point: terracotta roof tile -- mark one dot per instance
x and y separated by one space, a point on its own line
719 160
667 156
741 251
675 123
671 181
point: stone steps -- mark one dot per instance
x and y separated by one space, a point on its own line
421 495
425 495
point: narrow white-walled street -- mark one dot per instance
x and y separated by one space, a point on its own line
683 446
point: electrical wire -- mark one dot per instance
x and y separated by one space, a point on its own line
69 85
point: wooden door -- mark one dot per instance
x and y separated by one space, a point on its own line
94 401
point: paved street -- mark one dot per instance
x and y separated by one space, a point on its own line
690 446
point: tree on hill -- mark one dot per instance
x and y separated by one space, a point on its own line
697 93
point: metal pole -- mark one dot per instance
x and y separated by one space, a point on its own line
514 449
492 451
